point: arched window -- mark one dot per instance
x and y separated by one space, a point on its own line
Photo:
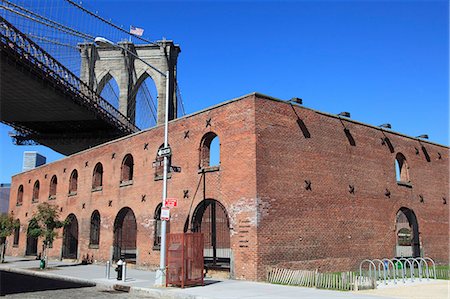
20 195
16 233
126 171
97 177
159 164
73 182
209 151
94 238
53 185
401 168
157 228
35 197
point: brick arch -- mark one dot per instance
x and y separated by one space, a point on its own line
19 200
406 218
53 186
205 150
70 238
210 217
127 169
125 235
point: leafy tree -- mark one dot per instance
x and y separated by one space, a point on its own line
44 223
7 226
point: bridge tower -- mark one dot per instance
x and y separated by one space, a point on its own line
101 63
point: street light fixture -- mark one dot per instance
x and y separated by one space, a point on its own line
160 274
386 126
423 136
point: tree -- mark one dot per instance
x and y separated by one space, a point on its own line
45 222
7 226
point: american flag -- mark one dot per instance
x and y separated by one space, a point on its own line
136 31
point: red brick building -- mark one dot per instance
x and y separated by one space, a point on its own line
293 185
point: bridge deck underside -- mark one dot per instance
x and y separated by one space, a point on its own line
31 101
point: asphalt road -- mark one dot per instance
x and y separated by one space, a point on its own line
90 292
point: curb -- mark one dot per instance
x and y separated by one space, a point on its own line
153 292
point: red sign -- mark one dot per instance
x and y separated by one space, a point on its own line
171 202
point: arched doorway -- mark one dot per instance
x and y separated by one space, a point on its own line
211 219
31 248
407 234
70 238
125 232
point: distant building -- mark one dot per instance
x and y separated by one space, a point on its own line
32 160
4 197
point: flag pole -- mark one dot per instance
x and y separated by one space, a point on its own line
130 33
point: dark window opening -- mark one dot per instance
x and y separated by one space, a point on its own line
20 195
53 185
97 178
73 182
126 173
94 238
35 197
16 233
70 238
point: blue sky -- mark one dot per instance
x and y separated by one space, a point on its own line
383 61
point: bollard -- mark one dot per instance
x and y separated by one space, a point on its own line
124 271
119 270
108 268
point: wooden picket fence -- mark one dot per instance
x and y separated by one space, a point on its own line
344 281
443 274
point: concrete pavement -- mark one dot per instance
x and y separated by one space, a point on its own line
140 282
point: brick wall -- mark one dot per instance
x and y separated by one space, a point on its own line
327 221
268 150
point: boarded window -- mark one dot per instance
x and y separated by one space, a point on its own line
35 192
95 229
73 182
97 177
20 195
127 169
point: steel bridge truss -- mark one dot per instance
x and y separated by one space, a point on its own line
16 44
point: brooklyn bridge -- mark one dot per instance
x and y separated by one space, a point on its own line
61 89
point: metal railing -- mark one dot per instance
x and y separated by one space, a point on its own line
14 40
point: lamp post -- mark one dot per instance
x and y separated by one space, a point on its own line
160 274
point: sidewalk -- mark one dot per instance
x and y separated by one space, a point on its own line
141 282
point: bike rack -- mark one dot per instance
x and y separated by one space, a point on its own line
402 263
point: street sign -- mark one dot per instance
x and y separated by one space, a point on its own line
165 213
171 202
165 152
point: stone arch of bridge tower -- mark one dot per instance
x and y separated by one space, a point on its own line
103 79
98 61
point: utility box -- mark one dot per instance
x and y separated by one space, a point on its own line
184 259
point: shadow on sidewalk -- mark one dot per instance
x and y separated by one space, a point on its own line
13 283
